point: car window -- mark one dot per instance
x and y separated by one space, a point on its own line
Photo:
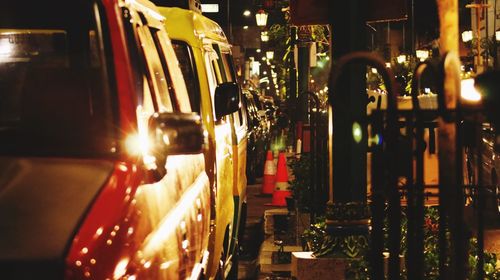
212 79
175 78
55 96
156 76
188 68
225 64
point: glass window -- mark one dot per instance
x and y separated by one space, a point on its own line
55 96
188 68
156 76
178 89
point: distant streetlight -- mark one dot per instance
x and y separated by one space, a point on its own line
467 36
264 36
270 55
247 13
422 54
401 59
261 17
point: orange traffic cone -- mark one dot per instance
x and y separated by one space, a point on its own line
269 175
281 190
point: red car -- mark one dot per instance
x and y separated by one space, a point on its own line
101 159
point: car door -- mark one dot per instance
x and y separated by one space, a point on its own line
175 207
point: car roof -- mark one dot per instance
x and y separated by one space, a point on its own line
191 27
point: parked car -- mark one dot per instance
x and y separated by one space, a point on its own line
484 162
102 159
262 111
258 137
206 61
270 109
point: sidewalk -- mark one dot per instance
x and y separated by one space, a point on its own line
249 266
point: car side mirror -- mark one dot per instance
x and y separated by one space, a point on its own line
173 134
227 99
176 133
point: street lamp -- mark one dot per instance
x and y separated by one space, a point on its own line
264 36
270 55
497 35
261 17
401 59
422 54
467 36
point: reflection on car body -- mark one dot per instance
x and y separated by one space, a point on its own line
102 167
207 64
258 137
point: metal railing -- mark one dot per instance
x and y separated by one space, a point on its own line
401 137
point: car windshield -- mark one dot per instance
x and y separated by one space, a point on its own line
54 95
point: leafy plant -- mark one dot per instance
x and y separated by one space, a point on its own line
324 245
301 184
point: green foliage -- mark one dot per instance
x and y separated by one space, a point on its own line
301 184
354 247
312 238
349 211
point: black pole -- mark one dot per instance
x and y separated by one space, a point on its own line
348 33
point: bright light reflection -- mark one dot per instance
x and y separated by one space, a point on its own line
99 231
6 48
165 229
165 265
468 92
357 134
137 144
121 268
185 244
147 265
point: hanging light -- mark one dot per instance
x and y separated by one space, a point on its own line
467 36
264 36
422 54
270 55
401 59
261 17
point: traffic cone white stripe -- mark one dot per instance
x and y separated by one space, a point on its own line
281 186
269 174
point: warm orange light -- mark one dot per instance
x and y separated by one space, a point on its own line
120 269
468 92
261 18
